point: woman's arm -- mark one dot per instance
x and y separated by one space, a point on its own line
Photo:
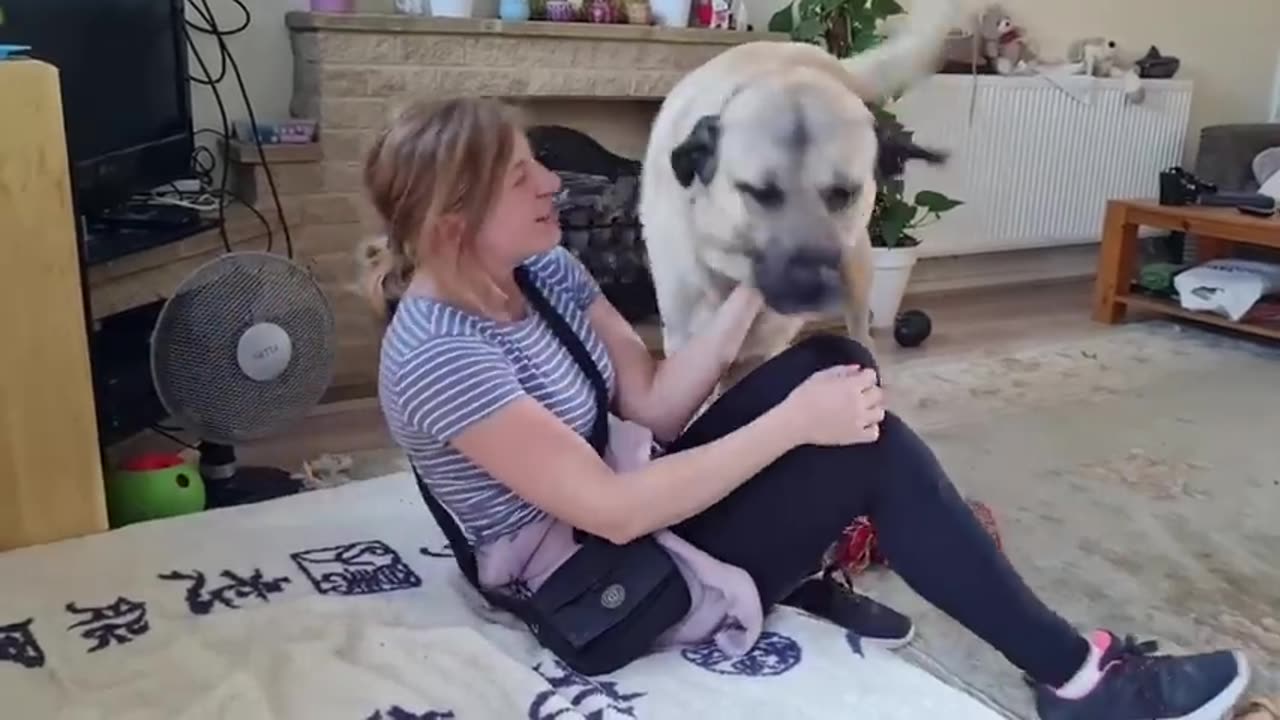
545 462
663 395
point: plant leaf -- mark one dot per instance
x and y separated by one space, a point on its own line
894 219
784 20
864 40
886 8
936 202
808 29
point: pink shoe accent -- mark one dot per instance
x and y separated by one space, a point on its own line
1101 639
1087 677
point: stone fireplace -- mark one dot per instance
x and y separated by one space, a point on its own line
590 91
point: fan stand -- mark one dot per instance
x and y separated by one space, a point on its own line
228 484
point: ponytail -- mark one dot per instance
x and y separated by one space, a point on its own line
384 276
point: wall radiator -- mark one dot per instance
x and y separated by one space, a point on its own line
1039 157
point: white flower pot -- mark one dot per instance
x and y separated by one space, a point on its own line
452 8
889 282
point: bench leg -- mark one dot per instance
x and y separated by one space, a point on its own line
1116 259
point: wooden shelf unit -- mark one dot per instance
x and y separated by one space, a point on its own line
1217 229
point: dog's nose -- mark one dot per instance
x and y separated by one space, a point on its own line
801 279
807 276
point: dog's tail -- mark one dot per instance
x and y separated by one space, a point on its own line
907 55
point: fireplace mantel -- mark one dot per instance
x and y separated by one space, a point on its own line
299 20
377 56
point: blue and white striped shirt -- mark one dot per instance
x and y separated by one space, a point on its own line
443 368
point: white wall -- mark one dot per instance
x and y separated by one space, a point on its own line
1228 47
263 54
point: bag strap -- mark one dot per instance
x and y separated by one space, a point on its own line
600 431
599 439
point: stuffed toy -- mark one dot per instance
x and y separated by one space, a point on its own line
1095 56
1004 44
1098 57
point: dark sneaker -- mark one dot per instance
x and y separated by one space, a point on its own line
1138 685
876 624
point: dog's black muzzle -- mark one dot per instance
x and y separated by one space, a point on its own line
799 279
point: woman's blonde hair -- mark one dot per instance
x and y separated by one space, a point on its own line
435 159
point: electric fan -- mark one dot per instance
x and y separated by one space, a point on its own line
242 349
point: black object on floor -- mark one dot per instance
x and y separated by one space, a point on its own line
228 484
912 327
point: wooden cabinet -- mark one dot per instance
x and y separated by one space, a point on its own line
51 484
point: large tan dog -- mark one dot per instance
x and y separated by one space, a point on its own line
761 168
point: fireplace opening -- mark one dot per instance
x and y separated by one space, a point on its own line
599 215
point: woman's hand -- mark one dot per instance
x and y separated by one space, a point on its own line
665 395
841 405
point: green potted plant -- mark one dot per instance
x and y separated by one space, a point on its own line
845 28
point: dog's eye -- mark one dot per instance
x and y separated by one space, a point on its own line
838 197
769 196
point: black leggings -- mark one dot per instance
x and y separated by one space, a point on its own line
777 525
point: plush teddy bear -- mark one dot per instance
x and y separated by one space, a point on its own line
1004 44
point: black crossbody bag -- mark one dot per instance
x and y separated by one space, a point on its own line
606 604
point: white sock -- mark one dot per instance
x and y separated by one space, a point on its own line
1087 677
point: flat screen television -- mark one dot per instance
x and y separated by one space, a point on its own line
126 98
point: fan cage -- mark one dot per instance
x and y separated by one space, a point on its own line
194 346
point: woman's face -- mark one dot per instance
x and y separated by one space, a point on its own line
522 220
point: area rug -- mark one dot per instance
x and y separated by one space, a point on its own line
1135 477
1134 474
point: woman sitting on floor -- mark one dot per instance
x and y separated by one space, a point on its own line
495 415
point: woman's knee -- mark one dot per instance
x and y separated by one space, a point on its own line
909 465
825 350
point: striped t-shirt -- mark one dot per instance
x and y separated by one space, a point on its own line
443 368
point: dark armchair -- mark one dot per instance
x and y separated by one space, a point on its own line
1225 158
1226 153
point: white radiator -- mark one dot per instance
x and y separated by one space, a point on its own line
1037 161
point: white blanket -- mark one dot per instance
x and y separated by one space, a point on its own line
341 604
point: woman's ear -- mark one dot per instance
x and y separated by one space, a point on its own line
444 231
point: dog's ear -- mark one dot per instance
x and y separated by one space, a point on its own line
896 148
696 155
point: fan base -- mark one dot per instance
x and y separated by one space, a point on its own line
250 485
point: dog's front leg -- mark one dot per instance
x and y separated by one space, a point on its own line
856 267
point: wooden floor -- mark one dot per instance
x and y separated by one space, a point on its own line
962 322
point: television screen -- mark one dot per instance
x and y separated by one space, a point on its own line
122 67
